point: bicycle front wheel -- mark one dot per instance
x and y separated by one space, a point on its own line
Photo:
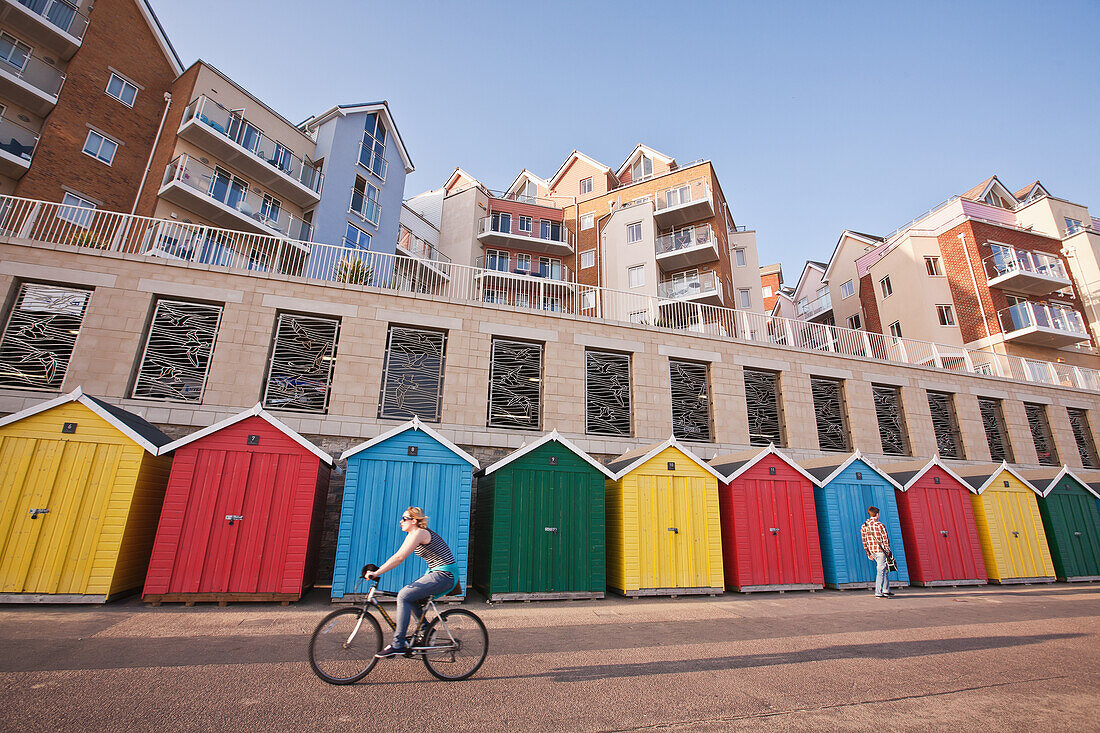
342 648
458 644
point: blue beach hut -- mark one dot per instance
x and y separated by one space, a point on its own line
846 487
411 465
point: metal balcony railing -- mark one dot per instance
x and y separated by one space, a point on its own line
365 206
686 238
94 232
689 287
32 70
17 140
816 307
683 193
547 231
1009 260
1027 314
372 161
417 247
250 137
526 267
61 14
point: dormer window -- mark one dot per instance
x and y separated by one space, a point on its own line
528 192
993 199
642 168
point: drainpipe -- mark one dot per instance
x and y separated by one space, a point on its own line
1071 251
149 164
974 282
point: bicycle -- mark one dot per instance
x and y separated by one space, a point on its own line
453 644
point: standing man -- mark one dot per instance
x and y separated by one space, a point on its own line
876 543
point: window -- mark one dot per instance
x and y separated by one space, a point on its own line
767 291
744 297
99 147
1072 226
496 259
993 420
523 262
302 358
588 258
515 385
270 208
765 415
1040 433
412 374
123 90
946 315
945 424
13 51
847 289
586 185
372 152
550 267
525 224
356 238
803 306
855 322
607 393
635 276
690 400
76 210
832 428
502 223
932 266
40 334
895 329
528 193
887 288
176 359
739 256
634 232
1082 434
891 419
642 168
588 221
551 231
364 200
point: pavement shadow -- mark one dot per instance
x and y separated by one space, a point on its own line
887 650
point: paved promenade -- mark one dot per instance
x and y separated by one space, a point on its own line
1017 658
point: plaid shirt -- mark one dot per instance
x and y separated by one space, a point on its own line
874 537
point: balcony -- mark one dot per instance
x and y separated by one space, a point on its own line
817 307
523 268
30 82
17 145
705 288
1042 325
686 247
53 24
227 201
423 254
237 142
546 237
683 204
1023 271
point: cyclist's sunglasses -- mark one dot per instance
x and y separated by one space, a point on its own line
407 519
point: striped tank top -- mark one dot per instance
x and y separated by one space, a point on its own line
435 552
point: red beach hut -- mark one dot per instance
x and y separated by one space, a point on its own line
769 522
937 525
242 514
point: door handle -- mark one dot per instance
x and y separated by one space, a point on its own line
234 518
774 530
36 512
674 530
943 532
552 529
1015 533
1076 534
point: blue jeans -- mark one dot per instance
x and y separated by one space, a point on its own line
882 575
408 600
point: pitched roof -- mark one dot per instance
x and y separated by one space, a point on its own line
1043 480
256 411
868 239
640 148
413 424
458 174
906 473
134 427
732 465
630 460
978 191
382 107
161 37
577 155
551 436
982 477
826 468
529 176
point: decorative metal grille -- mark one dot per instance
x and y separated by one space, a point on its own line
762 398
301 363
515 385
690 400
177 352
993 419
832 433
1040 433
40 334
412 376
607 393
945 424
1082 433
891 420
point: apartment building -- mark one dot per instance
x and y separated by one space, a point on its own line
771 284
840 277
82 95
986 270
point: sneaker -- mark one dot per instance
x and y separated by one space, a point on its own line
880 595
889 593
392 651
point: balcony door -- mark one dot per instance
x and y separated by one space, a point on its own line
550 230
502 223
227 188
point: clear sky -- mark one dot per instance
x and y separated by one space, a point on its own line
818 116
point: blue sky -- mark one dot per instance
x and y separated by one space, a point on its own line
817 116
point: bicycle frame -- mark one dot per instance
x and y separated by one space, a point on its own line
429 606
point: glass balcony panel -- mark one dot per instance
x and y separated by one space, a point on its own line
31 69
17 140
61 14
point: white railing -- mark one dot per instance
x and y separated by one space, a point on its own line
682 193
816 307
32 222
36 72
61 14
1008 260
555 231
418 247
706 283
525 267
239 130
228 191
17 140
686 238
1027 315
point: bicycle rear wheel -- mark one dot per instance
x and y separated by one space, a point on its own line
463 643
342 649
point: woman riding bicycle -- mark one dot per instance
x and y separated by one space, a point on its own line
440 578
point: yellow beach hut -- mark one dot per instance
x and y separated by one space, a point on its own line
664 534
81 488
1010 528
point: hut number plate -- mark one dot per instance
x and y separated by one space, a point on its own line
551 529
36 512
234 518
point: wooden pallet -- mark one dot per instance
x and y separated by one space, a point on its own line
222 599
548 596
673 592
862 585
948 583
781 587
1024 581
